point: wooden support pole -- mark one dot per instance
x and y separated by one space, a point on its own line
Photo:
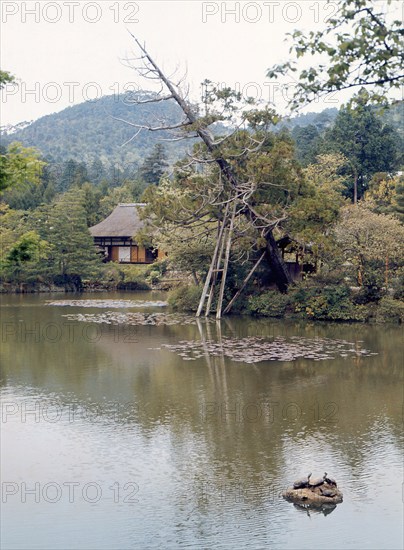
215 272
240 290
213 263
226 263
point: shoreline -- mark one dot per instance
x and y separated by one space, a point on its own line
373 318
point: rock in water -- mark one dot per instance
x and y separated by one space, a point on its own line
324 493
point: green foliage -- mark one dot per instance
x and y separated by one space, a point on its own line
156 271
24 258
390 311
141 277
397 284
382 194
368 243
269 304
63 224
326 303
73 174
132 277
20 166
154 165
314 213
92 196
185 298
398 203
129 191
12 225
307 139
6 78
368 144
358 47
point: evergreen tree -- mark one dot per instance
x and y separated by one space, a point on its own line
73 173
307 139
91 201
368 145
97 171
154 165
64 226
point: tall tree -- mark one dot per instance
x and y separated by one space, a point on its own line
74 173
222 105
97 171
369 145
63 224
154 165
307 139
24 260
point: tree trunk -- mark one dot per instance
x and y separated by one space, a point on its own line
281 273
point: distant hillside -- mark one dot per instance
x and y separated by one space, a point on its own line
320 120
88 131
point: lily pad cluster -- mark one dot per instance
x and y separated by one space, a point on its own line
132 318
115 304
257 349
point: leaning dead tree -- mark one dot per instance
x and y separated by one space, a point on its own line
236 197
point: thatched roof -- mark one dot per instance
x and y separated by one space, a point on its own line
124 221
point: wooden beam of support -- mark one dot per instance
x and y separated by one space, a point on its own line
250 274
226 262
213 263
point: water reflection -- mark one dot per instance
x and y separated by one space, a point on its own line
210 443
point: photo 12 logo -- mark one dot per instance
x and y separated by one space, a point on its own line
70 12
71 92
267 12
34 411
69 491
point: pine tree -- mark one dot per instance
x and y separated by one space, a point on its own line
154 165
65 228
97 171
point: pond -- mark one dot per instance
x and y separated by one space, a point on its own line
125 426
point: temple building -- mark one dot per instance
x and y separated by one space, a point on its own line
114 236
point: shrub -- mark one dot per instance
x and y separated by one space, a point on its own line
269 304
132 277
185 298
390 310
331 302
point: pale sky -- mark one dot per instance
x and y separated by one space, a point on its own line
65 52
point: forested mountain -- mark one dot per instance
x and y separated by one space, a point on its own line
89 132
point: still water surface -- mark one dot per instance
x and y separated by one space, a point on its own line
111 439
